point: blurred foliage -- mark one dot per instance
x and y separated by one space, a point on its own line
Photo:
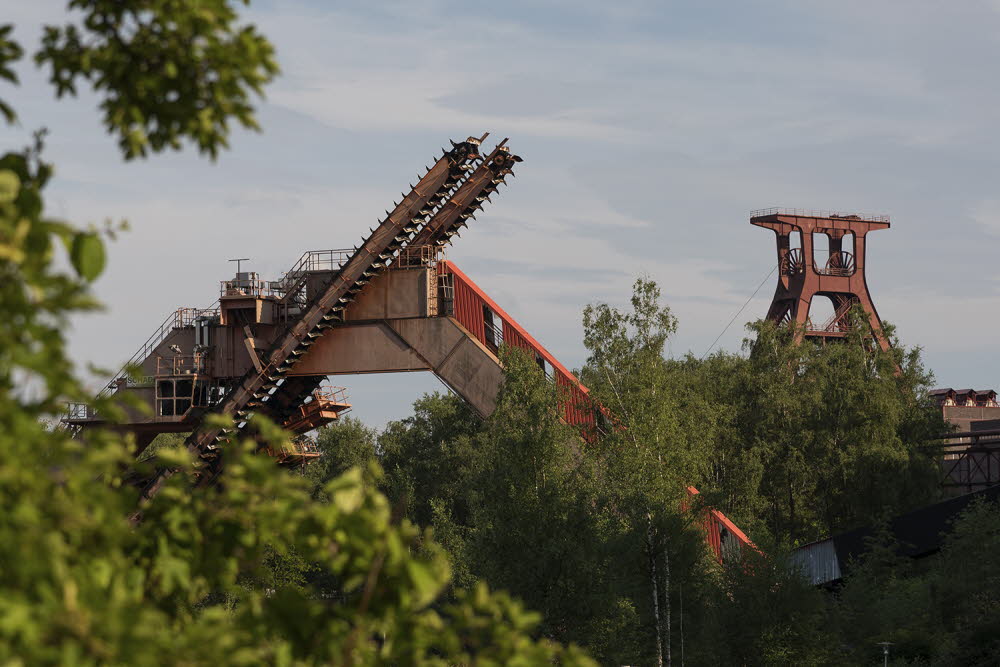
167 70
10 52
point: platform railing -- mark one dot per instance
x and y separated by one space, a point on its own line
321 260
76 411
836 323
418 257
182 317
807 213
291 284
181 364
330 394
249 287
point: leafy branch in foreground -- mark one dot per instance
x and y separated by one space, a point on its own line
168 70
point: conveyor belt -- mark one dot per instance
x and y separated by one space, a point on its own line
445 219
455 213
256 389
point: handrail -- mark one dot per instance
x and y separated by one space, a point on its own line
806 213
179 318
330 394
835 322
420 256
312 260
181 364
248 287
321 260
320 312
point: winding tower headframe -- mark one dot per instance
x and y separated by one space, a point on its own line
804 275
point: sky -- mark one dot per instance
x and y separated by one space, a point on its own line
649 131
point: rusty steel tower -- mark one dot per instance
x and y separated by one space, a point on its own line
806 272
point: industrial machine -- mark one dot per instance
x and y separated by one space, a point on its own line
391 304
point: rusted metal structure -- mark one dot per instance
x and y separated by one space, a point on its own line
970 456
970 460
721 534
392 304
805 272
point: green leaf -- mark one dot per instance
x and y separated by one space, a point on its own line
346 491
87 255
10 185
425 584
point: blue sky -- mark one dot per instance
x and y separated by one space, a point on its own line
649 131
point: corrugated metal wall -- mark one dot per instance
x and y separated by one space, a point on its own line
469 305
818 562
722 535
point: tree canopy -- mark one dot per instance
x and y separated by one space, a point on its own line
793 439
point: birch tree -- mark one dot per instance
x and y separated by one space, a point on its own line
654 449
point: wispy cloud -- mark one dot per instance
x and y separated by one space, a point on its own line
649 130
987 214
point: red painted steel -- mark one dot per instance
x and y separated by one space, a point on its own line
578 408
713 523
469 301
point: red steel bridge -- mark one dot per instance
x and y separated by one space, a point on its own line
387 305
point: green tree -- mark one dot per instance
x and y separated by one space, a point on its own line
345 444
795 440
428 459
884 598
940 610
966 588
515 501
837 428
539 526
761 612
167 70
655 449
